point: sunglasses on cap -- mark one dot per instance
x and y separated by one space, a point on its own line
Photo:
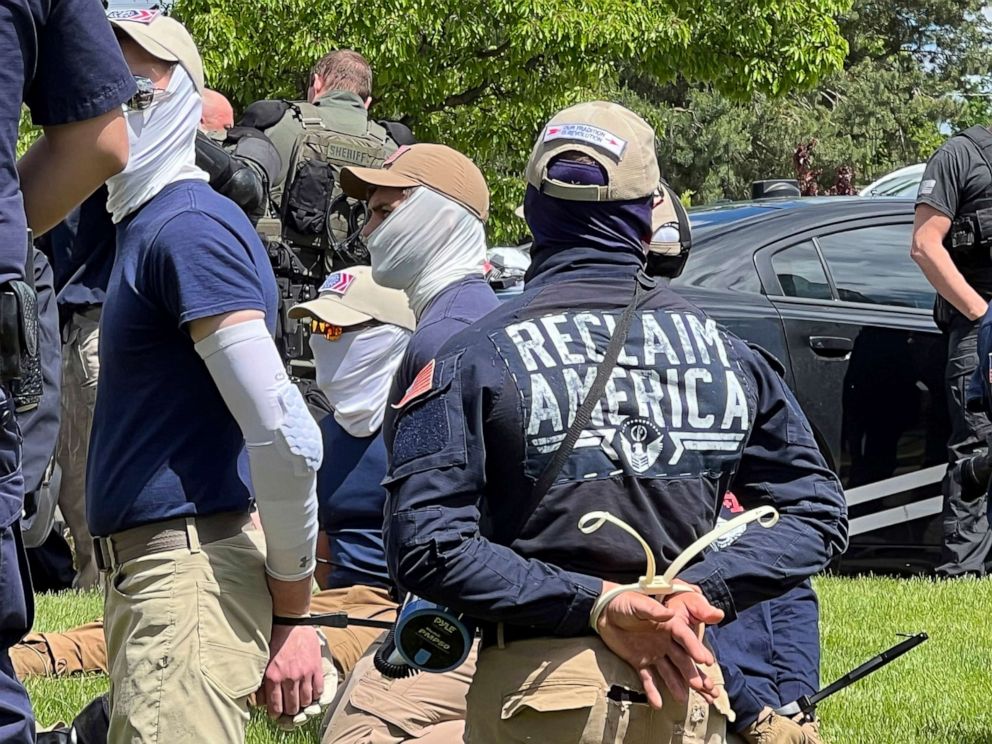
146 95
333 332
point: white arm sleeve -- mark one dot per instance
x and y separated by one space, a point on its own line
284 442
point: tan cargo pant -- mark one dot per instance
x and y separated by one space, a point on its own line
80 372
554 690
187 642
348 644
84 649
371 709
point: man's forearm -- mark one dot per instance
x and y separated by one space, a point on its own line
67 165
290 598
940 271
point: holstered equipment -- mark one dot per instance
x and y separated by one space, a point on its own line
20 356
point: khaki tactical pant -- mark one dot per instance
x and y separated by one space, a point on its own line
555 691
84 650
80 372
187 642
371 709
348 644
77 651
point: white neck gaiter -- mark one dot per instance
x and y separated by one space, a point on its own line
355 373
163 147
426 244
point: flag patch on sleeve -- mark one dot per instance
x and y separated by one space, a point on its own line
422 383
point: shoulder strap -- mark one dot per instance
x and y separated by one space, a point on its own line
981 138
308 114
582 416
379 133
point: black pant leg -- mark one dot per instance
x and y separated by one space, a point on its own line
967 542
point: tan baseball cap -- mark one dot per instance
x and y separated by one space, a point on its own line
350 297
162 37
615 137
669 212
438 167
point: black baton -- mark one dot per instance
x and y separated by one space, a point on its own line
807 703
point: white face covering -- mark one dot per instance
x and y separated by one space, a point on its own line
427 243
163 146
355 373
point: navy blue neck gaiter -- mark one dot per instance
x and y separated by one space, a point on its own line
572 232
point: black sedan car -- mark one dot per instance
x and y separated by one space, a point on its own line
827 285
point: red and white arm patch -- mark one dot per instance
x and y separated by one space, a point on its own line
422 383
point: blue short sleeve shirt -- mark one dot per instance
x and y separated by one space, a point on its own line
164 444
59 57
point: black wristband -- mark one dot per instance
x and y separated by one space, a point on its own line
279 620
333 620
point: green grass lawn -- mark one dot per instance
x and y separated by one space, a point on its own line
939 693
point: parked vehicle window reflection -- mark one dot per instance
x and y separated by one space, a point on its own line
800 272
872 264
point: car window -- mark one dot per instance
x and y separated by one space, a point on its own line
800 272
872 264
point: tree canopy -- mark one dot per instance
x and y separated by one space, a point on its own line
482 75
916 71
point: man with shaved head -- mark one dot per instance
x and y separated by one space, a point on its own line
218 114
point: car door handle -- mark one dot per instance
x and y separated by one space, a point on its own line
831 346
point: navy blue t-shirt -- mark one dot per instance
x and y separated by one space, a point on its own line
59 57
164 444
351 497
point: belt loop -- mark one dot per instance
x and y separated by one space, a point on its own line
192 536
500 640
103 550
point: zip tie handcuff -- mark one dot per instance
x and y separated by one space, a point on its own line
650 584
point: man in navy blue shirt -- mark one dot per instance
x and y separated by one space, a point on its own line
425 236
198 613
59 58
686 412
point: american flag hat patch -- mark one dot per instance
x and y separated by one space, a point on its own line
421 384
337 283
135 15
596 136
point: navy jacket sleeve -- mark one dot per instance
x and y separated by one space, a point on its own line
436 483
781 466
80 72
